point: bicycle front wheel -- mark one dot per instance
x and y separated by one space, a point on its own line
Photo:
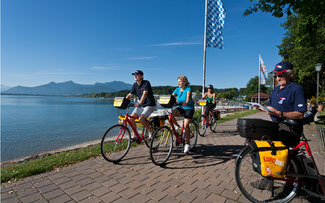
202 125
115 143
257 188
213 124
161 145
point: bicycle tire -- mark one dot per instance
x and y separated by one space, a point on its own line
147 142
193 135
112 150
161 145
213 124
280 191
202 125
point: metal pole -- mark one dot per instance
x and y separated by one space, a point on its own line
317 86
204 49
259 80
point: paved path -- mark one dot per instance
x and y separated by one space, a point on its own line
207 175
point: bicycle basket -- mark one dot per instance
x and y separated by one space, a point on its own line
121 102
167 101
202 102
270 158
258 129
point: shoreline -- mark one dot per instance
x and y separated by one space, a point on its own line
70 148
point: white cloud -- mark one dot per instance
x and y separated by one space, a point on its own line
142 58
177 44
103 68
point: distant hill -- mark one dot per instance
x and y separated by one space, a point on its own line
4 88
69 88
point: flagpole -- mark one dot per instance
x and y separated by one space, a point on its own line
204 49
259 79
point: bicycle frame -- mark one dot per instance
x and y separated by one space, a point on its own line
177 135
207 117
294 176
125 123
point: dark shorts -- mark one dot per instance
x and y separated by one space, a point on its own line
186 113
210 107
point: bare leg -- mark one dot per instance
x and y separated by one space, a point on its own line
145 123
187 130
132 121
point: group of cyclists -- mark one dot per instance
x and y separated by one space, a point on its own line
146 105
286 101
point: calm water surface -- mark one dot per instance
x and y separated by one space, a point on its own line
34 124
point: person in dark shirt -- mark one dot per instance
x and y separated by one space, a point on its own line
147 104
287 101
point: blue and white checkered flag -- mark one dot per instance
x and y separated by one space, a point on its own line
216 15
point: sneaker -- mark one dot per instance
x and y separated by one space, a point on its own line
186 149
263 184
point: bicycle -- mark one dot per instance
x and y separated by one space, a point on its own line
206 120
116 141
161 144
301 172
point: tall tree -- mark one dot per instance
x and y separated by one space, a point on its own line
304 42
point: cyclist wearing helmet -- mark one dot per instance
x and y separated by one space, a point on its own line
211 99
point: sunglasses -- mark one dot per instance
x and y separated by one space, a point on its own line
280 76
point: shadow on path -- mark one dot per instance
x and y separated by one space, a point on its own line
203 156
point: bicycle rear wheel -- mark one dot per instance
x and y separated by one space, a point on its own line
193 135
115 143
213 124
274 191
202 125
161 145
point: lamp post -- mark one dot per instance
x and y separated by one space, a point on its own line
318 66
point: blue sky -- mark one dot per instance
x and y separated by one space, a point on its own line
90 41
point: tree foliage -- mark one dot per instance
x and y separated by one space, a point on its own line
304 41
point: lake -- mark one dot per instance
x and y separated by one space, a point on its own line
34 124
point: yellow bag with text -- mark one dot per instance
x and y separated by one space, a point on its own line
270 158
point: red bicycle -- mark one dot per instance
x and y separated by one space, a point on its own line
301 172
161 145
116 141
206 120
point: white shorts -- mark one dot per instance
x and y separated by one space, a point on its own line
144 111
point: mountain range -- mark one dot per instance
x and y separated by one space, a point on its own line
69 88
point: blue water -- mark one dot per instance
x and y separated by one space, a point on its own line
34 124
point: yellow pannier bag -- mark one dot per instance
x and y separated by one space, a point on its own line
270 158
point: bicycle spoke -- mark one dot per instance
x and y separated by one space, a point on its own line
161 145
115 143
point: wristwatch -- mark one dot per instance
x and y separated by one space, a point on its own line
281 115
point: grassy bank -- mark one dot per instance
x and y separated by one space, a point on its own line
15 172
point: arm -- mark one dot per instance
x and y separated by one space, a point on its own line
205 94
291 115
129 96
214 98
188 97
143 98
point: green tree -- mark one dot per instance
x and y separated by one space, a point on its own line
252 88
304 42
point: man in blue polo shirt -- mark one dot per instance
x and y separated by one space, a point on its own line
287 101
